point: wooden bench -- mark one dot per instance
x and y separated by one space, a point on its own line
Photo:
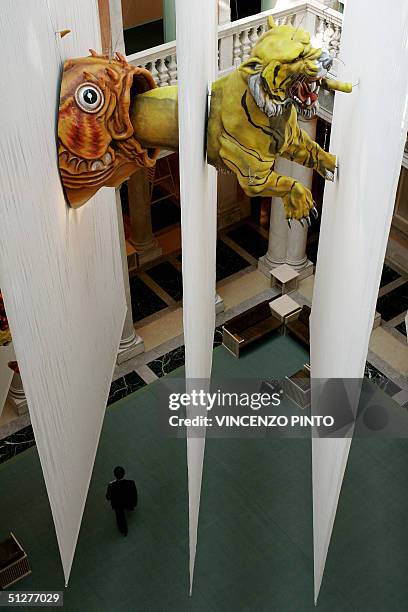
299 327
13 562
298 387
251 325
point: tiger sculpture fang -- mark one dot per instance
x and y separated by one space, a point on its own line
113 120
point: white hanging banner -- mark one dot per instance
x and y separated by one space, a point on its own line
61 269
197 69
368 136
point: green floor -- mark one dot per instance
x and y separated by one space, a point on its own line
255 535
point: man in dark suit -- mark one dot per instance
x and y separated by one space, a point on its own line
122 495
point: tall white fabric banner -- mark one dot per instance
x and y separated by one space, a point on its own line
197 69
60 268
368 136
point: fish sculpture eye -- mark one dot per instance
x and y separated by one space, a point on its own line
89 97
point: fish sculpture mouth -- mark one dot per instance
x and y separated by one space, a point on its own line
97 146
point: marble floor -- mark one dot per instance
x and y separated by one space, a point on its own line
388 275
156 292
164 214
169 356
157 287
169 278
394 302
402 328
249 239
145 300
388 347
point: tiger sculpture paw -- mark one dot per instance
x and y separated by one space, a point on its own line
298 203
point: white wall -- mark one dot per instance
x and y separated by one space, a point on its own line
60 268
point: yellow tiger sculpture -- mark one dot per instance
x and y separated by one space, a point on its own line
253 117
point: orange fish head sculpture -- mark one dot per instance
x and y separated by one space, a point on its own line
97 146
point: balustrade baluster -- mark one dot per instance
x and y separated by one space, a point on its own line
163 72
336 41
235 47
328 35
253 36
152 67
320 31
245 45
172 68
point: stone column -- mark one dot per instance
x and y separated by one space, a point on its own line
16 395
226 44
169 20
131 344
289 245
224 11
142 237
278 239
297 235
296 251
116 24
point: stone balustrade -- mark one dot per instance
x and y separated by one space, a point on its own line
161 61
237 38
327 30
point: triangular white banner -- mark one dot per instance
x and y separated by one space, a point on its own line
61 269
368 136
197 69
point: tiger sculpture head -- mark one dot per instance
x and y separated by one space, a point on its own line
285 69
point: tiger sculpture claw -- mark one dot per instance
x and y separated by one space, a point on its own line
298 202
